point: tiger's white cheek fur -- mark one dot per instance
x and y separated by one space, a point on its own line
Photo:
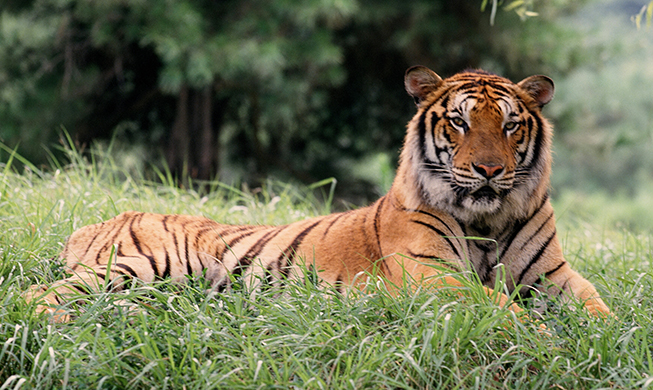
438 192
435 186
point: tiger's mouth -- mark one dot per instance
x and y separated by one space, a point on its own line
483 197
485 193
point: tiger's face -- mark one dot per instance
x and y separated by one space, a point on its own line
479 144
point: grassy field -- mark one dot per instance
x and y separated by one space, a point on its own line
182 338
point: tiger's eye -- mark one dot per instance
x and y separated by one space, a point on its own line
458 121
510 126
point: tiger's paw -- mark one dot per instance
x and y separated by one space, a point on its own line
56 315
540 327
47 303
597 308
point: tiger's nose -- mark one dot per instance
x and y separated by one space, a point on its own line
488 171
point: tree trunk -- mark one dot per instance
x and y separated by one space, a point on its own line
193 148
178 145
208 155
260 155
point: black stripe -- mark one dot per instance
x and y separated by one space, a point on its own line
502 89
137 243
186 251
434 217
231 243
384 262
110 241
197 250
127 268
439 260
564 286
421 127
376 224
369 246
239 228
177 249
536 258
446 136
513 234
520 141
222 285
434 119
469 95
166 271
77 287
292 249
539 139
481 77
488 261
339 284
462 226
203 231
189 266
546 275
258 246
119 251
470 85
526 242
528 133
520 225
338 216
90 244
441 234
445 100
164 221
255 250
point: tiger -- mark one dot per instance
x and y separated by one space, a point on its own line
470 194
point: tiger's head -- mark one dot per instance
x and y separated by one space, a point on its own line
478 146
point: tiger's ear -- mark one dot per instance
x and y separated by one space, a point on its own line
539 87
420 81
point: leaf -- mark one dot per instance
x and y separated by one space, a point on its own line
646 10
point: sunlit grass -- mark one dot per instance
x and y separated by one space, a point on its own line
181 337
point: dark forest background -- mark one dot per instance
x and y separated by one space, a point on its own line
306 90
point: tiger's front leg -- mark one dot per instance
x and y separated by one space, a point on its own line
437 237
571 283
52 299
424 273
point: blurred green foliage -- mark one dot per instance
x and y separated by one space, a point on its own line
604 109
313 89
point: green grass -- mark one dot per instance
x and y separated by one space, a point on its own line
180 337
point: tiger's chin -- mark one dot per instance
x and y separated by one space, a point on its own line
480 206
466 205
484 200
